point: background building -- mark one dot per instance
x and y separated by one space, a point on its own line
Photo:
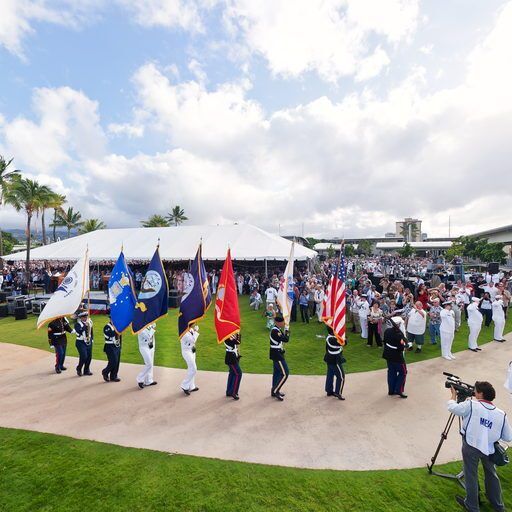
409 229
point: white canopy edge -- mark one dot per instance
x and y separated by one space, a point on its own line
247 243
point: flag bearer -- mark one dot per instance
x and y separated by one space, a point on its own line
57 339
278 336
232 359
334 361
112 348
84 340
188 351
147 351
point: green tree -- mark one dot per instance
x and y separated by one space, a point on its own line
70 219
365 247
47 199
9 241
155 221
6 177
331 251
177 216
409 230
91 225
349 250
56 204
26 195
406 251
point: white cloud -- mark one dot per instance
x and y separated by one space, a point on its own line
324 36
372 65
128 129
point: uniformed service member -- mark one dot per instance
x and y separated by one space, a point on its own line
84 340
483 425
57 339
278 336
188 352
334 360
146 339
112 348
395 342
232 359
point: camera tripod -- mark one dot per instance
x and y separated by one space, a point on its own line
444 434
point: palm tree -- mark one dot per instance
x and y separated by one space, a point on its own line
155 221
177 216
69 219
26 195
47 199
6 177
91 225
56 204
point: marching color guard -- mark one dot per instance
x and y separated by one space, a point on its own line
188 351
57 339
334 361
84 340
278 336
147 351
112 348
232 359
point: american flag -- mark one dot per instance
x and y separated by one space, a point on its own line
335 302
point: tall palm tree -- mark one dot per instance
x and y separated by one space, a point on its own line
69 219
26 195
155 221
6 177
47 198
56 205
177 216
91 225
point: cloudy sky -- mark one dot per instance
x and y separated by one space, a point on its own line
333 116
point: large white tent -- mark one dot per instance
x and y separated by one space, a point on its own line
176 244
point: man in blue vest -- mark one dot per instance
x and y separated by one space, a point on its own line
483 425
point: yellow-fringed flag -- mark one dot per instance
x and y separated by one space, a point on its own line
227 313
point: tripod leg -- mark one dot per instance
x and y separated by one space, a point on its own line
444 436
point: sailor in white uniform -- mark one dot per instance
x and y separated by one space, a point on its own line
475 319
447 330
188 351
498 317
147 351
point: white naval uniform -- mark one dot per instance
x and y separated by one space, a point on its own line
475 318
188 342
447 331
498 317
319 298
146 338
364 311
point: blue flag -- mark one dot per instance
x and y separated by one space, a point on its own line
197 297
121 295
153 300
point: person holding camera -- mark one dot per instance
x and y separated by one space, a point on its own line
278 336
232 359
146 339
188 352
483 425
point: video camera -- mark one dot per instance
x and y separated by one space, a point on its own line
464 390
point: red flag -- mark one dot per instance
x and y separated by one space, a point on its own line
227 314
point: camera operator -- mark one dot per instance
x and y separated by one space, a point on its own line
483 424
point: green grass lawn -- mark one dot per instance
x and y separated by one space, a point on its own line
44 472
304 353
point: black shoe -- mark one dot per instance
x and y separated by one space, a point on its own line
116 379
88 372
402 395
460 500
195 389
186 391
473 349
141 385
417 351
78 371
330 394
478 349
235 397
338 396
391 394
105 376
278 396
279 393
154 383
57 370
63 368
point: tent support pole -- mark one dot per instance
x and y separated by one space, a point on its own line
266 268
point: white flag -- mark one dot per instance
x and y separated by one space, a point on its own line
285 294
68 296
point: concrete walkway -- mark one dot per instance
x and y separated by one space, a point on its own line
370 430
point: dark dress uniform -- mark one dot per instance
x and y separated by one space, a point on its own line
232 359
57 338
394 345
281 372
334 361
112 348
84 341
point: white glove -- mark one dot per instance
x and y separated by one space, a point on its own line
196 328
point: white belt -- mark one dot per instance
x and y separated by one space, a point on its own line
391 346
